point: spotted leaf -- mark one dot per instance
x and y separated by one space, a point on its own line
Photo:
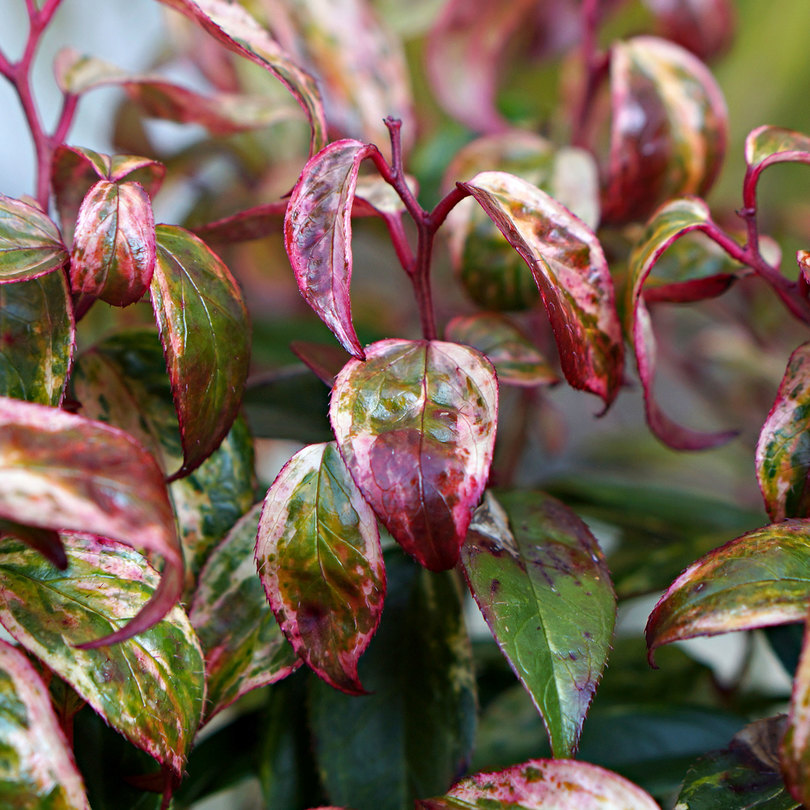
30 244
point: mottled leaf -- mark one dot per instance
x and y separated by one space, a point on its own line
37 339
416 425
45 541
30 244
37 768
150 688
318 235
64 472
759 579
705 27
572 275
670 222
766 146
668 131
543 783
205 333
795 748
320 561
542 584
516 359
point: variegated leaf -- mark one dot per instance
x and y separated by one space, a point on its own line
151 687
795 748
30 244
45 541
415 424
244 646
766 146
320 561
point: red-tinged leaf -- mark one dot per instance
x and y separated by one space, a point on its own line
113 255
205 333
704 27
766 146
795 749
244 646
37 339
668 132
150 688
45 541
252 223
516 359
318 235
63 472
543 586
322 359
320 561
238 31
415 424
571 273
757 580
544 783
37 769
783 456
30 244
670 222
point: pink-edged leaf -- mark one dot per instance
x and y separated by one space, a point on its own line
45 541
571 272
416 424
252 223
64 472
542 584
30 243
205 333
766 146
318 235
539 784
795 748
114 250
761 578
803 260
244 646
783 456
151 687
320 560
669 222
704 27
238 31
37 769
668 132
322 359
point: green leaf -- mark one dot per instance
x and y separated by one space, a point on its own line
205 333
542 584
415 423
412 735
37 768
37 339
320 562
30 244
244 647
150 688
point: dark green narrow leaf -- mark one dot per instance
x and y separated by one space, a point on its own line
30 244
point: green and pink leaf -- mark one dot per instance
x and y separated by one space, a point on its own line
30 243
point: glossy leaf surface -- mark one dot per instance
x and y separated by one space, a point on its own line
795 748
37 337
759 579
65 472
415 423
542 584
320 561
37 768
669 129
541 783
30 244
244 647
318 235
149 688
205 333
572 275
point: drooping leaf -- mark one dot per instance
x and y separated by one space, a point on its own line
413 733
795 747
37 339
205 333
571 273
30 244
320 561
705 27
670 222
542 783
759 579
318 235
668 131
415 424
543 586
244 647
150 688
64 472
45 541
238 31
